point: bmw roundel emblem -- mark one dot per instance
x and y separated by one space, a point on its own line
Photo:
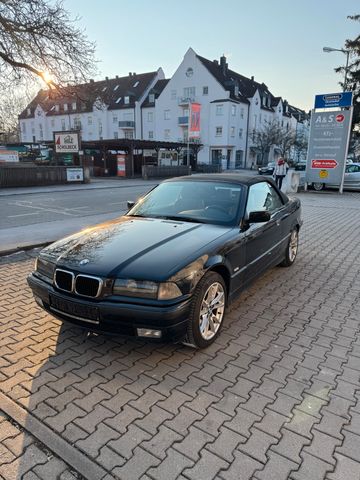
84 262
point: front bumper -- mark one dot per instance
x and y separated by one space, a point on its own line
117 317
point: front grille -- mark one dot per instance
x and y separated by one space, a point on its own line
88 286
64 280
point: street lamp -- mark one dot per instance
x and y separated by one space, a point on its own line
347 53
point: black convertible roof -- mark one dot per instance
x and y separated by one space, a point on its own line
224 177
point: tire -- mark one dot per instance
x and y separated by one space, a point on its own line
318 186
201 332
291 249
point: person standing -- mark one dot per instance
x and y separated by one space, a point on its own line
280 170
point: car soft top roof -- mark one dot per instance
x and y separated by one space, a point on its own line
239 178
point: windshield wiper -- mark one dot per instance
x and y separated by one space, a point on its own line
179 218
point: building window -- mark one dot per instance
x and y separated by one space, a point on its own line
100 128
173 94
136 84
167 133
73 105
189 92
89 120
63 124
118 100
126 100
104 89
57 107
150 116
23 127
219 109
116 87
241 113
166 114
151 97
41 132
232 131
116 135
240 133
77 123
53 122
115 119
29 112
129 134
233 110
205 90
151 134
65 107
218 131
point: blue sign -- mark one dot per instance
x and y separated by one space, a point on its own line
331 100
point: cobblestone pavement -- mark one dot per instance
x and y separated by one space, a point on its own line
276 397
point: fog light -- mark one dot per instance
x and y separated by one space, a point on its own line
145 332
39 301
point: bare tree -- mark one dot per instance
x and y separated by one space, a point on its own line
285 141
11 103
38 38
264 138
300 146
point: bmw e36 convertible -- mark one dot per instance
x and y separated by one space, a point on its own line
171 265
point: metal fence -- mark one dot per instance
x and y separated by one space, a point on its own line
207 168
21 175
154 171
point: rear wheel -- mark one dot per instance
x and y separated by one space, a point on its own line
318 186
207 311
291 250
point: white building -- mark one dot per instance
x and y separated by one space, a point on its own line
150 107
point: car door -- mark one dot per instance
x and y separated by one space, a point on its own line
262 239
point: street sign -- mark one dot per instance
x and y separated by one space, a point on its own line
328 144
66 142
333 100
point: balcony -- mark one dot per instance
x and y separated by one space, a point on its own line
183 121
192 140
127 124
186 100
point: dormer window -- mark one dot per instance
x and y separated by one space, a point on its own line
29 111
73 105
65 107
116 87
136 84
151 97
127 100
104 89
236 91
57 107
118 100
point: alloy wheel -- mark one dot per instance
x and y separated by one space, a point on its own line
212 311
293 245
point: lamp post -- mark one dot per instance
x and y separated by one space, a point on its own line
347 53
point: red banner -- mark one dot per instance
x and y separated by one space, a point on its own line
324 163
194 130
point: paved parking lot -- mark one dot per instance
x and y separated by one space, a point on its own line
276 397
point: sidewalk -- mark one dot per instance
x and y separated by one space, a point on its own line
95 183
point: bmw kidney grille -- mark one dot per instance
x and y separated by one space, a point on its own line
83 285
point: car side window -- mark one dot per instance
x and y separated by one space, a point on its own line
352 168
263 197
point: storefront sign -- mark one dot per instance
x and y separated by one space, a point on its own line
121 167
333 100
194 130
328 144
8 156
66 142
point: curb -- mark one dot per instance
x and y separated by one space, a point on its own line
24 248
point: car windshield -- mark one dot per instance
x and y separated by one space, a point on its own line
192 201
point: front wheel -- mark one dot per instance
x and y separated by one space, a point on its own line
207 311
291 250
318 186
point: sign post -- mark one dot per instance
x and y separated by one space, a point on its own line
329 139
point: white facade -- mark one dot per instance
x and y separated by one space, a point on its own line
227 119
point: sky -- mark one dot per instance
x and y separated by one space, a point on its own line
280 42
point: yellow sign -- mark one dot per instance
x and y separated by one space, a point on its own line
323 174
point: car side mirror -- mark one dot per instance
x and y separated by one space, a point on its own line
130 204
259 217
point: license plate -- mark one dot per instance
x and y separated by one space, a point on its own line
87 313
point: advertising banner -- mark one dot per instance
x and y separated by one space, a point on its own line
8 156
194 130
328 144
333 100
66 142
121 169
74 174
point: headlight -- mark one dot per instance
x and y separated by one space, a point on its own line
44 267
146 289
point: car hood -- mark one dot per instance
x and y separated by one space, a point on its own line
139 248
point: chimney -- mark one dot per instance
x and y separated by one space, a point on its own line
91 80
252 78
130 74
107 79
134 74
224 65
116 76
216 62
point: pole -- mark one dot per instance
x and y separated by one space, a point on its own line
346 151
188 139
346 70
